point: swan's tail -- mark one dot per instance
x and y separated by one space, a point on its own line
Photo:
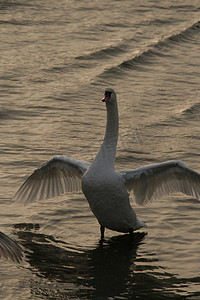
144 223
140 224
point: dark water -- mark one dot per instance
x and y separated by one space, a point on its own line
57 57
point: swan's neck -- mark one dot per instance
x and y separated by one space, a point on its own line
107 151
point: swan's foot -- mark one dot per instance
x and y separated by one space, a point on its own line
102 229
131 232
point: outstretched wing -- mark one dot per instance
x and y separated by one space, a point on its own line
155 181
58 176
9 248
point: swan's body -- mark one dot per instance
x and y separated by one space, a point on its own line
109 199
9 248
106 189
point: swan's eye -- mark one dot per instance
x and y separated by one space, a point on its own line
107 96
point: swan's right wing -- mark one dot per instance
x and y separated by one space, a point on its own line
9 248
58 176
155 181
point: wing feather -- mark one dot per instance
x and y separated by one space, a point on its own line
58 176
155 181
9 248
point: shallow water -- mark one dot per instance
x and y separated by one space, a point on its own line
56 60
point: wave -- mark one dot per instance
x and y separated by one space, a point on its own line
149 52
102 53
192 109
185 35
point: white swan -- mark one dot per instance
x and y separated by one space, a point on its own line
9 248
106 189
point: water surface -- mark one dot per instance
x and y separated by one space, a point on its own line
56 60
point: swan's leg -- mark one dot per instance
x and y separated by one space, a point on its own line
130 232
102 228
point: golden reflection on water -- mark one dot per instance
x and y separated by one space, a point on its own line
56 61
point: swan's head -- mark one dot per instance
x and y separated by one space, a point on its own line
109 96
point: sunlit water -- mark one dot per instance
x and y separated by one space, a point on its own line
57 57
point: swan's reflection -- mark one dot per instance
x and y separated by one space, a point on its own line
112 264
112 269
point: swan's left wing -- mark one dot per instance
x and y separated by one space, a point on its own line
59 175
155 181
9 248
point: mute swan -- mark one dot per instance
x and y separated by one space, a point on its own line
107 190
9 248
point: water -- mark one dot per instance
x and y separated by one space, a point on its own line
57 57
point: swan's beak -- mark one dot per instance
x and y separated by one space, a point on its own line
105 99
